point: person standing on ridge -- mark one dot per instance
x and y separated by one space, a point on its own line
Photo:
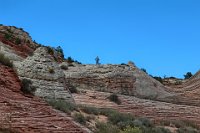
97 60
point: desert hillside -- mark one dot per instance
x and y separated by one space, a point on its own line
43 92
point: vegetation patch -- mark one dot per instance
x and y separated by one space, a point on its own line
17 41
50 50
106 128
114 98
51 70
131 130
80 118
62 105
5 61
64 67
27 87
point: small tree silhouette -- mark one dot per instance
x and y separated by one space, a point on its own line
188 75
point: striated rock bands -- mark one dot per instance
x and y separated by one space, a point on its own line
123 79
28 115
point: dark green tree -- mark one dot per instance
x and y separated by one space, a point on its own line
188 75
60 50
144 70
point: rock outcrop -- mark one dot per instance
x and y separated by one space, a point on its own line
9 52
29 114
18 40
45 74
122 79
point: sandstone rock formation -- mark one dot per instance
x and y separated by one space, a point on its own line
29 115
154 110
123 79
9 52
188 91
45 74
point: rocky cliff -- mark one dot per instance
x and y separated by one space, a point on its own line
45 74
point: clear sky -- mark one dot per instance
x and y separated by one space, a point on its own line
162 36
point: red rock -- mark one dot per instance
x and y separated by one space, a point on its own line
28 115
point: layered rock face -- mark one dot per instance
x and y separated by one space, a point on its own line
123 79
20 114
188 91
45 74
9 52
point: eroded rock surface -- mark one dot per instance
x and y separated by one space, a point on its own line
28 115
122 79
45 74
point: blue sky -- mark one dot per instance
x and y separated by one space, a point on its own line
162 36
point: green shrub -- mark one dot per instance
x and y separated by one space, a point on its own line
61 105
50 50
178 83
73 89
158 79
28 41
137 123
144 70
188 75
187 130
131 130
117 118
160 130
51 70
64 67
78 117
90 110
18 41
7 36
60 50
114 98
27 87
107 111
71 65
178 123
165 123
70 60
146 122
106 128
5 61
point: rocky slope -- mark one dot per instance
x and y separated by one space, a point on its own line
28 115
154 110
122 79
188 91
